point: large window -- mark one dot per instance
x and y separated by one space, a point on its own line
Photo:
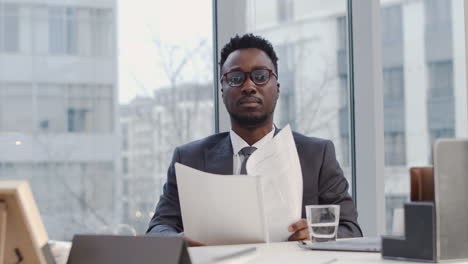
58 118
97 156
310 39
423 81
166 94
420 86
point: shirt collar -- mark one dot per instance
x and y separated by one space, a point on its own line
238 143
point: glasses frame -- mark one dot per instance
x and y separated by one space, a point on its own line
249 75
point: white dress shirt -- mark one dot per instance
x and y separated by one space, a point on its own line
238 143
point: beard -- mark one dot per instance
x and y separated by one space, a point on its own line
249 120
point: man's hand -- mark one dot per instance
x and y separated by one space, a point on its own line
192 243
300 229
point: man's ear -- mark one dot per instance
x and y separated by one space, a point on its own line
278 89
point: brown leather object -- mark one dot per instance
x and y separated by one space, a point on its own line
422 183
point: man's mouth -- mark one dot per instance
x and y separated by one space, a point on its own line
250 101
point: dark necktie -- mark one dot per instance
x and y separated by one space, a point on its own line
246 152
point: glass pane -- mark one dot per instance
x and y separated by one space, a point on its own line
310 40
424 87
166 94
57 117
61 114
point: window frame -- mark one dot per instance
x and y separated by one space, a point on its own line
366 101
366 110
366 92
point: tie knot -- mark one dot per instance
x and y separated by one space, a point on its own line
246 151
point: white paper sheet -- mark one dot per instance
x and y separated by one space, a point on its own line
220 209
278 166
233 209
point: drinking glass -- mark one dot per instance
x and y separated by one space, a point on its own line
323 222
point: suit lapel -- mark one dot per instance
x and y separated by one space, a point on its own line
219 158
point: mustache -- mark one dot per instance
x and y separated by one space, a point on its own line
249 99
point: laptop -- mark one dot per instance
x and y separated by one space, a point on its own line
361 244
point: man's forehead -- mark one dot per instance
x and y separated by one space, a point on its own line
247 58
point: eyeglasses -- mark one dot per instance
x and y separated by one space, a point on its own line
237 78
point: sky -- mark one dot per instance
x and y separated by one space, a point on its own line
184 23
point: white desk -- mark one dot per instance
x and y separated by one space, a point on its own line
281 253
288 253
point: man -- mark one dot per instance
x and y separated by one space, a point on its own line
250 90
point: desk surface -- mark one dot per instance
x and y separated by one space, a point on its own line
287 252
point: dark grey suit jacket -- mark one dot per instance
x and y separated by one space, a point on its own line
323 180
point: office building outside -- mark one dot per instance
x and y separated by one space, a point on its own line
152 127
58 110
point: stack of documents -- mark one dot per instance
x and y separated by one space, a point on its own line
253 208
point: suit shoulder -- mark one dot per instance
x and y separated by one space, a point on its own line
204 143
302 139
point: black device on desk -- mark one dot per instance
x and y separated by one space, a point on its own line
435 219
110 249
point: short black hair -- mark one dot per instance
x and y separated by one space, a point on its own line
247 41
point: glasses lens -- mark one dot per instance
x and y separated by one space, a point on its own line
260 76
235 78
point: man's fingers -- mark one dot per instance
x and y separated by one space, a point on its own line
193 243
300 229
302 234
301 224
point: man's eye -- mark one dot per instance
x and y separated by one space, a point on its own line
236 79
260 77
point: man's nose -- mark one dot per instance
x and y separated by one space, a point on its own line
249 87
